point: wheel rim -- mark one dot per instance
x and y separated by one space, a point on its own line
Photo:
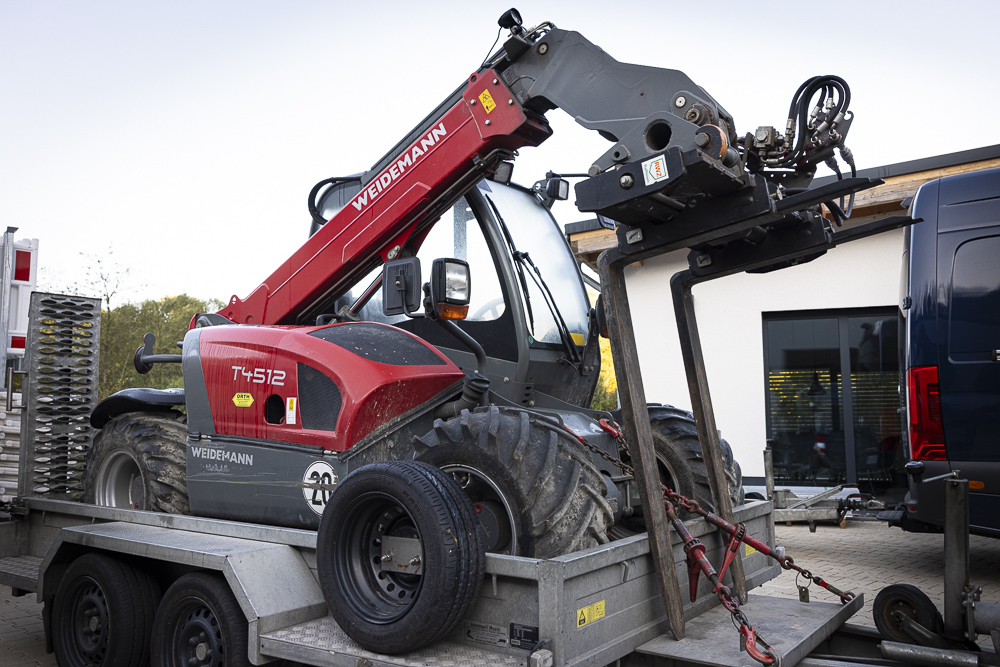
198 639
894 627
379 596
637 524
119 482
88 630
490 505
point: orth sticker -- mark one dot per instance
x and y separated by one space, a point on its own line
655 170
976 485
317 485
486 633
589 614
749 550
291 405
243 400
487 100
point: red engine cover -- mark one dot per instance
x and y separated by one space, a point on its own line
328 386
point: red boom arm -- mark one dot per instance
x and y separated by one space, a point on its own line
428 175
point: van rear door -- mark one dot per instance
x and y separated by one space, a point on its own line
969 335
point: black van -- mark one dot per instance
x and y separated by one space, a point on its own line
950 323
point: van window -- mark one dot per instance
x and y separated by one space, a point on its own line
974 326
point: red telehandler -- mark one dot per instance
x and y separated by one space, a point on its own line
419 425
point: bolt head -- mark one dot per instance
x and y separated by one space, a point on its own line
626 181
680 101
543 48
487 122
701 140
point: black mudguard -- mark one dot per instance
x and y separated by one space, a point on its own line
135 400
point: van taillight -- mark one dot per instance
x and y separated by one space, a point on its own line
926 430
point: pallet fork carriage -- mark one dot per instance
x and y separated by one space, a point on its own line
400 558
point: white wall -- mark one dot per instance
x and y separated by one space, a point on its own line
861 274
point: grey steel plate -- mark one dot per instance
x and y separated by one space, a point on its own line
792 628
20 572
323 643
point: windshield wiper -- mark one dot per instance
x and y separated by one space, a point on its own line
523 259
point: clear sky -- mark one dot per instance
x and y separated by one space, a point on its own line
183 136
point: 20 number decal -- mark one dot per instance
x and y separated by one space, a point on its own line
317 485
260 375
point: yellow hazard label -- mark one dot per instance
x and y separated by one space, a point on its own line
487 100
589 614
578 338
749 550
243 400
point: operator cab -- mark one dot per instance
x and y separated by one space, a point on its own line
528 309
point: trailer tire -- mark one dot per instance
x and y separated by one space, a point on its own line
536 488
682 464
137 461
912 602
103 614
200 622
391 611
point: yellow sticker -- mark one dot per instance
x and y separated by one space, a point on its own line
578 339
487 100
749 550
589 614
243 400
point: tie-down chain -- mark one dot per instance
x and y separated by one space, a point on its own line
698 562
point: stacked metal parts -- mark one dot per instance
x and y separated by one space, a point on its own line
10 446
60 392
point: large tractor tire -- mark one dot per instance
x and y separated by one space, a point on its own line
681 463
388 592
534 486
138 462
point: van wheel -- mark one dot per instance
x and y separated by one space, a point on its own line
200 624
911 602
681 462
384 521
536 489
138 462
103 613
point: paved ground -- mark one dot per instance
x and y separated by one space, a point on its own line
864 557
868 555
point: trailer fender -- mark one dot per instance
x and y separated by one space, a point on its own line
135 400
272 582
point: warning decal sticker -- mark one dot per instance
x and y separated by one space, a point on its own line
589 614
290 405
487 100
749 550
243 400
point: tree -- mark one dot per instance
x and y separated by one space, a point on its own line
122 329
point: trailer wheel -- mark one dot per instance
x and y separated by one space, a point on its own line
910 601
200 624
103 614
376 510
681 462
535 488
138 462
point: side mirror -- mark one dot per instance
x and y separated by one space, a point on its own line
450 289
401 286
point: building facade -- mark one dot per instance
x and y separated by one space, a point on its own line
805 357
